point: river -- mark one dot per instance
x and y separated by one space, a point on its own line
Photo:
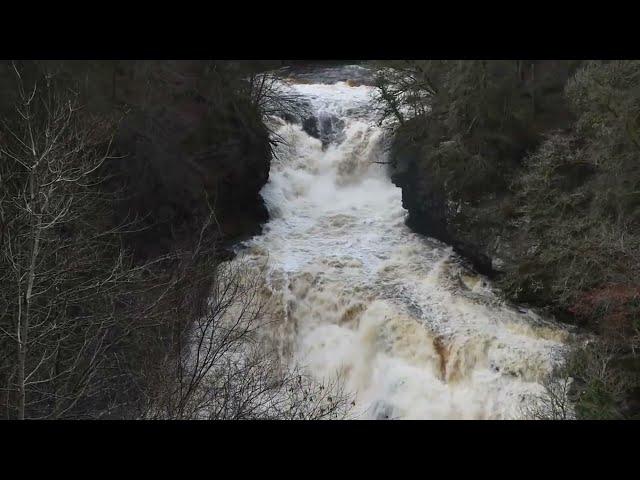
413 332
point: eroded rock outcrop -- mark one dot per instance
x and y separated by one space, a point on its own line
189 156
431 210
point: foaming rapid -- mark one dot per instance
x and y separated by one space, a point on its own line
412 333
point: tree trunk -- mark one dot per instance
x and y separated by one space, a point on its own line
23 339
533 88
113 82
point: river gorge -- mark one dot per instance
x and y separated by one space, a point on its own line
413 332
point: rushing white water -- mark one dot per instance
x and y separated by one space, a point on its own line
412 332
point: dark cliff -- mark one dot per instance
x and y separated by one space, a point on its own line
455 164
199 147
181 162
530 171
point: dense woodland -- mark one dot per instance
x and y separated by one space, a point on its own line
123 183
121 186
531 169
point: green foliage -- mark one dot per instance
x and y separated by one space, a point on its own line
589 385
536 163
606 96
601 387
472 121
577 204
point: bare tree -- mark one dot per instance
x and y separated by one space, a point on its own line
553 403
63 271
86 331
225 366
588 385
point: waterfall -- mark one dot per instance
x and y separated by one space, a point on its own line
413 333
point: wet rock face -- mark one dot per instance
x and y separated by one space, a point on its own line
310 125
326 128
430 212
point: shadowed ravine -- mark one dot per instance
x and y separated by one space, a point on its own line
413 333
